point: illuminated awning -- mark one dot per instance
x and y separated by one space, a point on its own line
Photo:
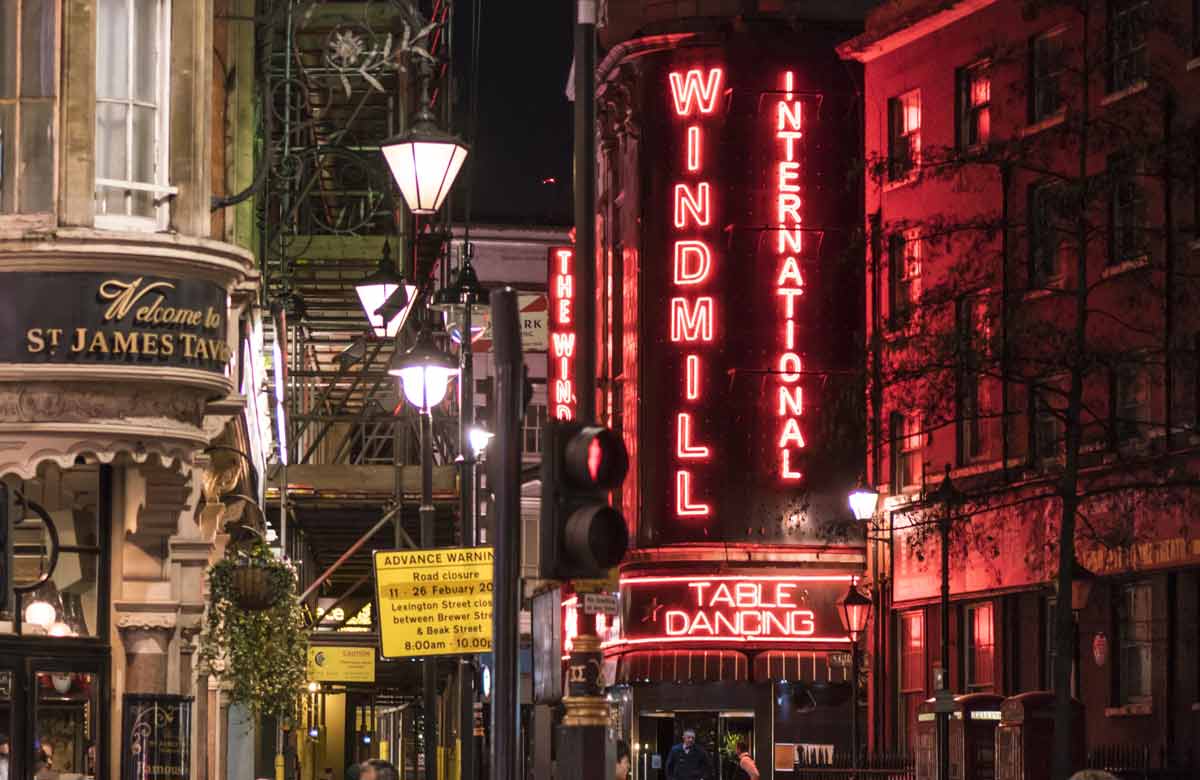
814 666
692 666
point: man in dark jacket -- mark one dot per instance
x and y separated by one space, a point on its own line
688 761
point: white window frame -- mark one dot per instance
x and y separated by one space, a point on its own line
160 188
900 117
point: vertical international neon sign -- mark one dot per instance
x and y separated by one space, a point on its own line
691 314
561 363
788 279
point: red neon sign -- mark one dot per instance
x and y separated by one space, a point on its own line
561 359
691 315
746 608
789 281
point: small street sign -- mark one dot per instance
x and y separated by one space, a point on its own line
599 604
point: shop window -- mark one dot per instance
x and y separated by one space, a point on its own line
912 673
974 105
28 105
132 109
1126 43
52 536
1045 76
531 429
904 135
980 647
1134 636
904 262
1048 232
1127 211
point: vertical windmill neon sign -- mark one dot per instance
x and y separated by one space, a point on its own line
692 314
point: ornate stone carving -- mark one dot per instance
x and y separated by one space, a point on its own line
146 621
61 402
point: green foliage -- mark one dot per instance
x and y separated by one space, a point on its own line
261 655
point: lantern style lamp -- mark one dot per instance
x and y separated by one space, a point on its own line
863 501
424 159
424 372
855 610
40 613
452 301
1081 588
378 288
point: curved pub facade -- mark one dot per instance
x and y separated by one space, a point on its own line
125 313
732 312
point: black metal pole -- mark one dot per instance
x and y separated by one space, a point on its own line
428 541
854 704
466 420
505 460
943 718
585 205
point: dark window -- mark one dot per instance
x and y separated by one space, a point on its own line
1127 211
973 337
1045 76
531 429
974 105
906 450
1132 406
1047 423
1052 649
28 80
904 135
1134 632
904 262
1048 232
1126 43
980 647
912 672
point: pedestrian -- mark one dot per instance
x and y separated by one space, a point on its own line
747 769
689 761
622 772
4 749
353 771
378 769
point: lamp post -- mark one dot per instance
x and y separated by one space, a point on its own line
424 373
949 496
463 303
1082 581
378 294
855 611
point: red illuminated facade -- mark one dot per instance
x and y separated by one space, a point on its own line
943 81
728 330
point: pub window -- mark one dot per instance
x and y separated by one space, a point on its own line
28 105
980 647
532 428
1134 624
1126 43
912 672
132 60
1045 75
974 105
904 135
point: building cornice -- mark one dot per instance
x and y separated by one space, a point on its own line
905 29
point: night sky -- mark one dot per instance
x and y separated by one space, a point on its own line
524 131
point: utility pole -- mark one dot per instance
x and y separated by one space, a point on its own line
466 421
582 738
506 479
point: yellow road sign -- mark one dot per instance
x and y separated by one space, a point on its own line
331 663
434 602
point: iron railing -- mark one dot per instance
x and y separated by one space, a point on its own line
1143 762
821 765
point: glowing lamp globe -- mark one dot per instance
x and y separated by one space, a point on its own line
377 288
60 629
424 372
40 613
862 503
479 438
855 610
424 161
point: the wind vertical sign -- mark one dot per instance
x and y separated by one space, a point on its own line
787 122
561 357
692 314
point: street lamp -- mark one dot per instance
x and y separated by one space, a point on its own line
424 159
949 496
479 438
424 372
863 501
378 288
463 303
855 611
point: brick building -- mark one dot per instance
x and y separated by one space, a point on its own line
1031 218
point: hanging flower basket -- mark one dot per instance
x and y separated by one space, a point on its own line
252 589
255 638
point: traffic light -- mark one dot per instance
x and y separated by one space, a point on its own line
580 535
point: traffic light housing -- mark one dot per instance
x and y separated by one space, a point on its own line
581 536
